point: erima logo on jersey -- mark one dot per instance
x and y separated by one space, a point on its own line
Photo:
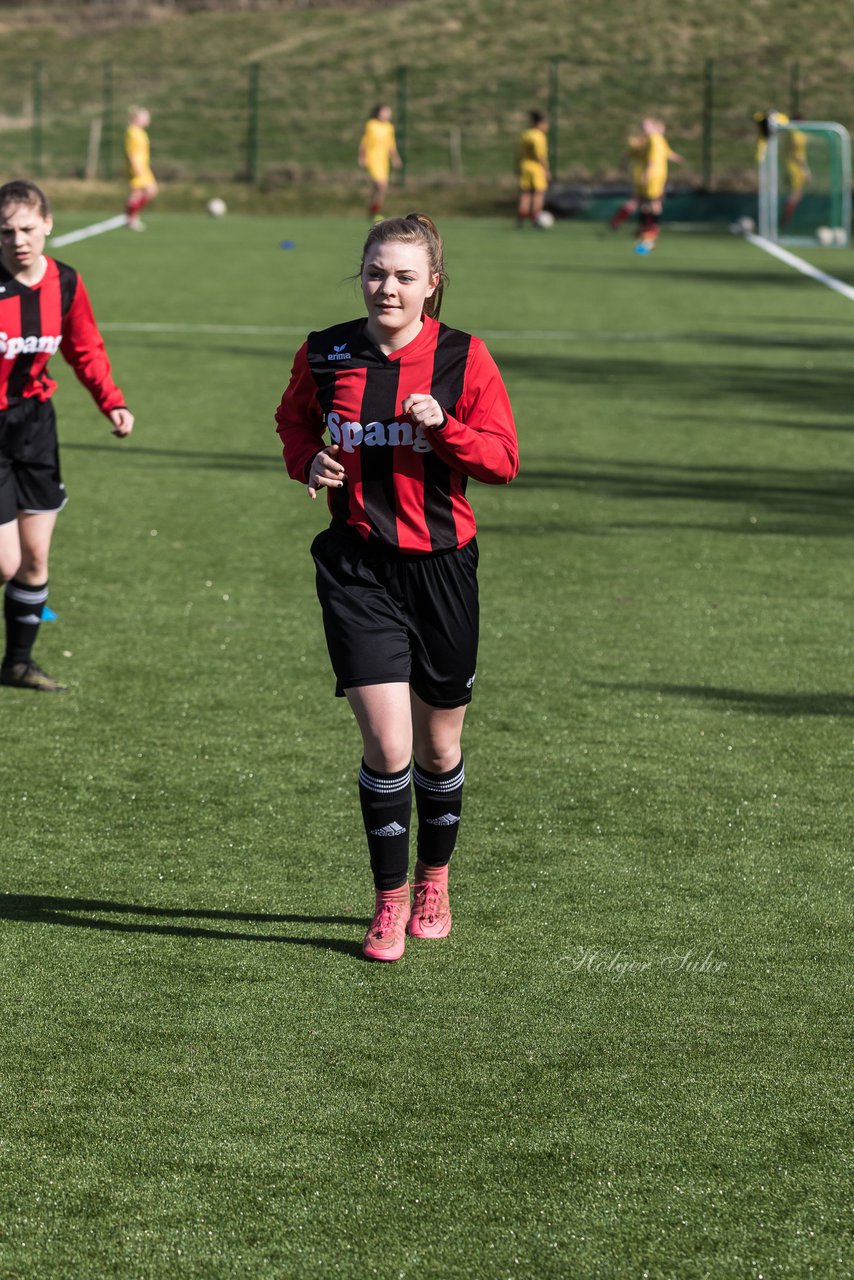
350 435
10 348
339 353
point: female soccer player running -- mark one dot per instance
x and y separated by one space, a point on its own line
44 307
377 153
413 410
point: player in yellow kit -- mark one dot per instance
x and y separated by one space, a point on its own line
377 153
143 184
533 169
657 156
797 169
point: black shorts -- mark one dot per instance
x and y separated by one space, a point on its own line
29 460
394 618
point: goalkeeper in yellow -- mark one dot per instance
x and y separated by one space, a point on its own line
533 168
657 156
797 169
143 185
377 153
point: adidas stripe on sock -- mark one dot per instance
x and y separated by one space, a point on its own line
439 800
22 611
386 800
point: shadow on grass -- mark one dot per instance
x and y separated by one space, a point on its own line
85 912
797 499
794 385
769 704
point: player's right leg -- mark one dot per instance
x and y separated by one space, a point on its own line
25 596
368 646
625 211
384 718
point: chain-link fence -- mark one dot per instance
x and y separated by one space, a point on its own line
273 123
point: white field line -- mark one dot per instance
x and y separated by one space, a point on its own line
806 268
95 229
289 330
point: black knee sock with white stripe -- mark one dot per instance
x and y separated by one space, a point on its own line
387 810
439 800
22 611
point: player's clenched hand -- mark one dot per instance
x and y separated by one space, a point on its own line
326 472
122 420
424 411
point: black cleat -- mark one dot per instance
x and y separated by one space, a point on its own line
26 675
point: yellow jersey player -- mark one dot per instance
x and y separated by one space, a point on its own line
635 153
797 169
657 156
533 169
377 153
143 185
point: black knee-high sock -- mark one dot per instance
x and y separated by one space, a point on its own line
386 800
22 611
439 800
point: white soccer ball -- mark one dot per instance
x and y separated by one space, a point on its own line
545 220
742 227
217 207
839 236
825 235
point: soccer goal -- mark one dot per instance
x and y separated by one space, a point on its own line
805 183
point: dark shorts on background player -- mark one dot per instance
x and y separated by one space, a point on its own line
395 618
29 460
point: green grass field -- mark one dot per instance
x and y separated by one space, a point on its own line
627 1059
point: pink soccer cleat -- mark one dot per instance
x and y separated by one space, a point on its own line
386 936
431 906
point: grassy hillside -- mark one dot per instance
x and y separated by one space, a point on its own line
473 69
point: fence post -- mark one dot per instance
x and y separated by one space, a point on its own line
553 113
252 122
400 115
794 88
38 113
708 121
107 115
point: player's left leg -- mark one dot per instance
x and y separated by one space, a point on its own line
379 187
438 775
138 198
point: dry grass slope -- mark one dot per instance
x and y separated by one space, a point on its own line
473 69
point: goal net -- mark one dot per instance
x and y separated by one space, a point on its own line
805 183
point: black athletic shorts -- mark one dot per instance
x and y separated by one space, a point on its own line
394 618
29 460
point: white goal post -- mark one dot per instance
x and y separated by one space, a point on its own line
813 210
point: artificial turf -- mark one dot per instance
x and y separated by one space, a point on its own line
627 1060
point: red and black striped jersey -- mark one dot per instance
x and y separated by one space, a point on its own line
38 320
405 486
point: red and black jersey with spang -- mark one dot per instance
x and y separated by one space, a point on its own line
405 486
38 320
